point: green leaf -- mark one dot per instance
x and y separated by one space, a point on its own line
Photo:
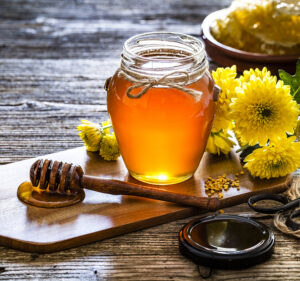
248 150
297 74
293 81
297 95
285 77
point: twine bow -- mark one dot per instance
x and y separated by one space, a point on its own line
148 83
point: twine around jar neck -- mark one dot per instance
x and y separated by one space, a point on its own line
178 79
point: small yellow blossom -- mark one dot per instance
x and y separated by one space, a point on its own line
279 158
90 134
263 110
109 148
219 142
98 138
225 78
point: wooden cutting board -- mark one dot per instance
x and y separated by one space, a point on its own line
101 216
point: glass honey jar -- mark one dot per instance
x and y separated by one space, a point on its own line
162 103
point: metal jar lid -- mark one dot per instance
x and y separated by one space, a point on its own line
226 241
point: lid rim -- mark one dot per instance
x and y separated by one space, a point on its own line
227 260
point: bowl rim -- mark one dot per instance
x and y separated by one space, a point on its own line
239 54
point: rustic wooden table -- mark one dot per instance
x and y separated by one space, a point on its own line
54 59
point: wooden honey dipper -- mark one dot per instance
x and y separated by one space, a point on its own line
56 177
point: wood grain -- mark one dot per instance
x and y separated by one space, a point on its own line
101 215
54 57
150 254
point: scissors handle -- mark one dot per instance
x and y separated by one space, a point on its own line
275 197
291 223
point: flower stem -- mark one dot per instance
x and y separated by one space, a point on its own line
107 126
242 148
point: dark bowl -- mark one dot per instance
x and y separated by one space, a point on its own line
224 55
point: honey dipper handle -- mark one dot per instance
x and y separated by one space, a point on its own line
126 188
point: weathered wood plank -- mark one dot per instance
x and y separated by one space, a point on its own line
39 30
152 256
42 102
54 59
65 81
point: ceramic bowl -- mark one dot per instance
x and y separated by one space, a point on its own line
224 55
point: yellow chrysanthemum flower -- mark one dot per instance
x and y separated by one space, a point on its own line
225 78
98 138
263 110
219 142
90 134
109 148
278 159
247 74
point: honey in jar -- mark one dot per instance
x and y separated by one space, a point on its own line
161 103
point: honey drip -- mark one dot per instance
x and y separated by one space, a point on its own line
52 185
35 197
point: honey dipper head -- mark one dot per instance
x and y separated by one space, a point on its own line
55 177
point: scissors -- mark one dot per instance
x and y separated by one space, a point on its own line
287 205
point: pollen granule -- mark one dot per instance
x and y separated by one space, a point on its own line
216 186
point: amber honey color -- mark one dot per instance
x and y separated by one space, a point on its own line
162 135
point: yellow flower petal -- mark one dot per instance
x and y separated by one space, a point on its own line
219 143
247 74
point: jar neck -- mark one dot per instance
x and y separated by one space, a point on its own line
160 53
